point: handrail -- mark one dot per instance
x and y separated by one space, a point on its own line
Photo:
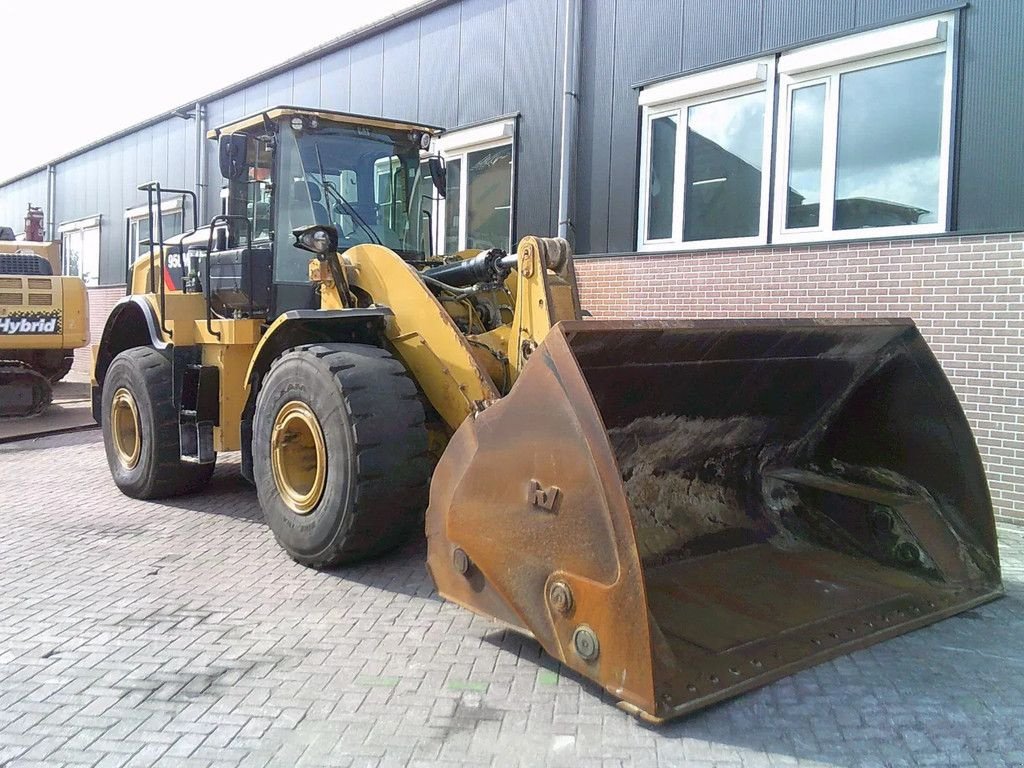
226 218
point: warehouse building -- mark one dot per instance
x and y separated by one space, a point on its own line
749 158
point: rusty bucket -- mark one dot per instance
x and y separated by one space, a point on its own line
683 511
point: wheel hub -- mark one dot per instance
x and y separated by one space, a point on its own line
125 428
298 457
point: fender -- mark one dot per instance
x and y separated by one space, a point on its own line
305 326
131 323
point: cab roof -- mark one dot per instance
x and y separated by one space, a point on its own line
325 115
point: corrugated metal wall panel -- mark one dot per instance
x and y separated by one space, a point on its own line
597 61
279 90
438 91
990 192
335 80
529 90
714 31
255 98
401 71
481 60
368 76
16 197
788 22
880 11
637 23
306 85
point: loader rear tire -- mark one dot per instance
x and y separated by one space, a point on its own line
340 453
140 429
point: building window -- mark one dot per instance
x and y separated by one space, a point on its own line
139 236
862 144
705 147
864 134
80 249
476 211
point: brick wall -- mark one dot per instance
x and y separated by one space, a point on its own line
965 293
101 301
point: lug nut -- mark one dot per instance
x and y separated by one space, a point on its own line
584 641
560 598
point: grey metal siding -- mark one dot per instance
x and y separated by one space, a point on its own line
714 32
401 71
438 91
16 197
367 70
595 128
529 91
791 22
990 188
481 60
988 196
474 60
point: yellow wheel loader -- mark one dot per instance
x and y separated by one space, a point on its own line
680 511
43 319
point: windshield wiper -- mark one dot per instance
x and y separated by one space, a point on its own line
328 190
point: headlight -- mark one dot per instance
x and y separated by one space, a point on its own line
317 241
320 239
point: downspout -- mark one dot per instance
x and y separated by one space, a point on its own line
200 162
51 201
570 115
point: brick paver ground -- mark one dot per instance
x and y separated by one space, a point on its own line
179 634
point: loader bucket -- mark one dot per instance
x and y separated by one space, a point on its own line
683 511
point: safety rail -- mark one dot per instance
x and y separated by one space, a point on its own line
154 194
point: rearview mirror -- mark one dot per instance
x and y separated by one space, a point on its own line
438 174
232 157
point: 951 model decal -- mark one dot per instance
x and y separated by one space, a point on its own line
30 323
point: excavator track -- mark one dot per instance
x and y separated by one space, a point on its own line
23 390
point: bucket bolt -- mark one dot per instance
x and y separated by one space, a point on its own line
907 553
584 642
560 598
461 561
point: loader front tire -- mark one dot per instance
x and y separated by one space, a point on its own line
140 429
340 453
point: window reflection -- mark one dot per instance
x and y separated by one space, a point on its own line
807 118
662 177
724 142
890 127
489 202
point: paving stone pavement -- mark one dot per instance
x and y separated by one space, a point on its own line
178 634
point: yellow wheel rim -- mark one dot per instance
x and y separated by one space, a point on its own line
125 428
298 457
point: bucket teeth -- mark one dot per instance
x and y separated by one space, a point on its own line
683 511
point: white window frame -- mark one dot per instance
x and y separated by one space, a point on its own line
825 63
82 225
675 97
134 217
458 145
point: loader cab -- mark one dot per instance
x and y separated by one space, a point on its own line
289 168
